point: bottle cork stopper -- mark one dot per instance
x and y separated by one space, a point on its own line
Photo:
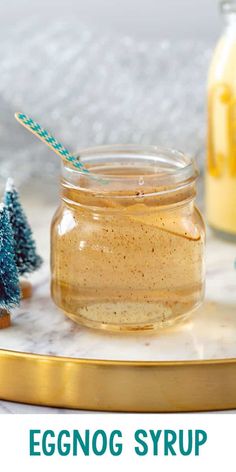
5 319
26 289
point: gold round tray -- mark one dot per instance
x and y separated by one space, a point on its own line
190 370
128 386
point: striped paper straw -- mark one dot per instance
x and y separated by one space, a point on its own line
49 140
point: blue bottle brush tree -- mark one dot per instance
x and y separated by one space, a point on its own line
9 280
24 248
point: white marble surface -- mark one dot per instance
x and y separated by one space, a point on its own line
38 326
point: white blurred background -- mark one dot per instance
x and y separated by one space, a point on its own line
102 71
173 19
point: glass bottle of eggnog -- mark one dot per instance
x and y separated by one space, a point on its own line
221 140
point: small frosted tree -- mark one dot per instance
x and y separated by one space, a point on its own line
26 257
9 280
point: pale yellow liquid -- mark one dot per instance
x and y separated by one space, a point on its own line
221 169
140 267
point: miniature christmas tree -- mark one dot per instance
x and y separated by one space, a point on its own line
26 257
9 281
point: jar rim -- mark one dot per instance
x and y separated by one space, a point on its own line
161 166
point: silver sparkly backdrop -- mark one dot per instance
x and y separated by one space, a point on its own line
90 88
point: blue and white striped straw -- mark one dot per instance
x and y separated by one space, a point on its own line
49 140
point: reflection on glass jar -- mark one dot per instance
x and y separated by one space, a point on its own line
127 241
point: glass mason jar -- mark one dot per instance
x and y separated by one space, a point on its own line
127 242
221 154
